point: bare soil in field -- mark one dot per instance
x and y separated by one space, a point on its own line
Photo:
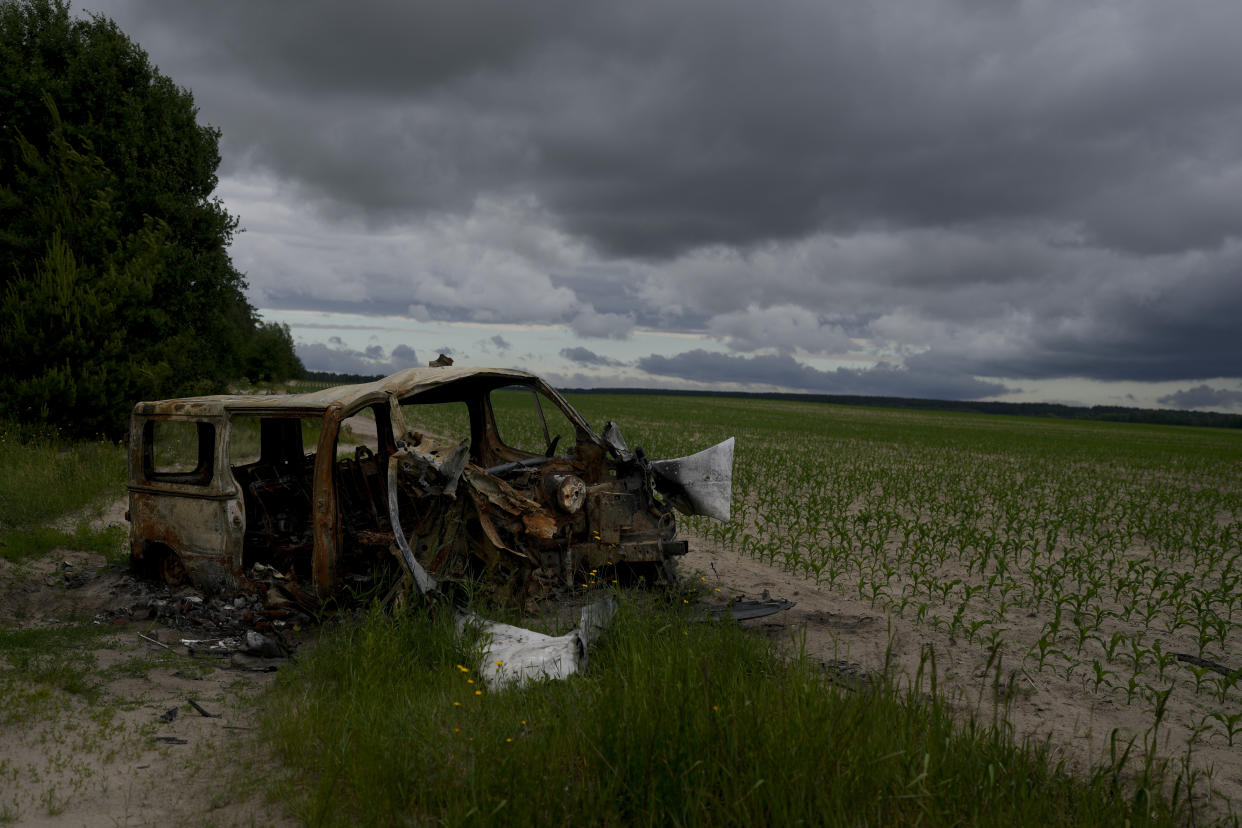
136 751
142 753
855 640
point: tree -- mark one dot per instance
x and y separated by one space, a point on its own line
115 279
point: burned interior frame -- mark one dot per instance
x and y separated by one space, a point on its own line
447 489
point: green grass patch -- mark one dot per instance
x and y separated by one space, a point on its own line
21 544
677 721
36 662
43 477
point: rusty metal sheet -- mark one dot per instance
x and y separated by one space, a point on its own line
436 470
325 528
540 525
202 535
500 494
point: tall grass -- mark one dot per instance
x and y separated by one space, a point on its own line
43 478
676 721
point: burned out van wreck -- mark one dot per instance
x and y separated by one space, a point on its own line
443 475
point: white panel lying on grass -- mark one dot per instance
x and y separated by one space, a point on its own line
513 656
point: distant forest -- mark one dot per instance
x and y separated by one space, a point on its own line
340 379
1110 413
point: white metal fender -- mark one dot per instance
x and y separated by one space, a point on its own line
514 656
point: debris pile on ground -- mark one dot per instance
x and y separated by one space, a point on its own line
276 607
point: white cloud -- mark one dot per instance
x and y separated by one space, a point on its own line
590 323
780 327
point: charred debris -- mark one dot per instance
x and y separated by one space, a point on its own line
437 482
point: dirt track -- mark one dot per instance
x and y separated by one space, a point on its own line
125 758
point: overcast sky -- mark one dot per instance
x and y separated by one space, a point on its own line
997 200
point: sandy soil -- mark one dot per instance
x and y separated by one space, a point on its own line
125 759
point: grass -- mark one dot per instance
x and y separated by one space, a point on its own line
1114 534
43 478
22 544
61 718
676 721
37 663
1123 540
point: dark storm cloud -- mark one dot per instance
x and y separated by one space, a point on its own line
336 357
1024 190
1175 317
403 356
1204 396
784 371
585 356
654 127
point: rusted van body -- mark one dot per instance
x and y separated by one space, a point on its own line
412 471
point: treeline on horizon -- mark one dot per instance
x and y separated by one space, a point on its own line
341 379
1109 413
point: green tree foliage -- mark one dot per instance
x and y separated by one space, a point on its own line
115 279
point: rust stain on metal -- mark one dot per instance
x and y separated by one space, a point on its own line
324 523
221 484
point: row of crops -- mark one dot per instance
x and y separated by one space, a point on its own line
1108 554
